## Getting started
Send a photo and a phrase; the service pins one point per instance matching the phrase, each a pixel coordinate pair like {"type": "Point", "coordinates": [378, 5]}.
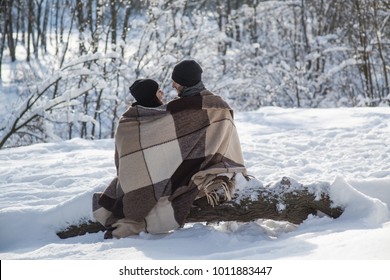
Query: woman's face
{"type": "Point", "coordinates": [160, 95]}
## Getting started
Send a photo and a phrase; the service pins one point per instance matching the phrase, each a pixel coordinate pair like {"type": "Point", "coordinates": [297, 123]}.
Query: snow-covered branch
{"type": "Point", "coordinates": [39, 101]}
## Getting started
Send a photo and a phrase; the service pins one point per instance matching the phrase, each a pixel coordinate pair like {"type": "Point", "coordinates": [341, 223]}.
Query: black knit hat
{"type": "Point", "coordinates": [144, 92]}
{"type": "Point", "coordinates": [187, 73]}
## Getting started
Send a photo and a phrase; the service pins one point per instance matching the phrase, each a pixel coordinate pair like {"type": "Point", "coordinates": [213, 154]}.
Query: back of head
{"type": "Point", "coordinates": [187, 73]}
{"type": "Point", "coordinates": [144, 91]}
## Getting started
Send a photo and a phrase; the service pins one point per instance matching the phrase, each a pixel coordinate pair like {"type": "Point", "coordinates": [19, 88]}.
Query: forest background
{"type": "Point", "coordinates": [66, 65]}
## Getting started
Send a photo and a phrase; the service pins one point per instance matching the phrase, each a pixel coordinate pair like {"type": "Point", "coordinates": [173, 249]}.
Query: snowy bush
{"type": "Point", "coordinates": [83, 56]}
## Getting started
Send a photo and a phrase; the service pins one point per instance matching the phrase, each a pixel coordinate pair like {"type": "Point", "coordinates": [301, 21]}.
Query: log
{"type": "Point", "coordinates": [286, 200]}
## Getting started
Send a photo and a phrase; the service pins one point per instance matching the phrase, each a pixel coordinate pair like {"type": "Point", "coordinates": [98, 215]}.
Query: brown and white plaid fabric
{"type": "Point", "coordinates": [166, 158]}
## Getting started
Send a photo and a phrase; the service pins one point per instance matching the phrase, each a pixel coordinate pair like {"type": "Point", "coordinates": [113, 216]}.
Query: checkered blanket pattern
{"type": "Point", "coordinates": [166, 158]}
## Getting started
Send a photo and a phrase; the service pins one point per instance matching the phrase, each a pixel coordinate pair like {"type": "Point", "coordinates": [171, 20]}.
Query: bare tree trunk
{"type": "Point", "coordinates": [22, 20]}
{"type": "Point", "coordinates": [38, 26]}
{"type": "Point", "coordinates": [114, 14]}
{"type": "Point", "coordinates": [2, 41]}
{"type": "Point", "coordinates": [81, 25]}
{"type": "Point", "coordinates": [365, 53]}
{"type": "Point", "coordinates": [62, 23]}
{"type": "Point", "coordinates": [249, 204]}
{"type": "Point", "coordinates": [381, 47]}
{"type": "Point", "coordinates": [96, 114]}
{"type": "Point", "coordinates": [9, 31]}
{"type": "Point", "coordinates": [98, 26]}
{"type": "Point", "coordinates": [125, 27]}
{"type": "Point", "coordinates": [29, 28]}
{"type": "Point", "coordinates": [56, 27]}
{"type": "Point", "coordinates": [222, 45]}
{"type": "Point", "coordinates": [83, 130]}
{"type": "Point", "coordinates": [114, 113]}
{"type": "Point", "coordinates": [44, 27]}
{"type": "Point", "coordinates": [89, 15]}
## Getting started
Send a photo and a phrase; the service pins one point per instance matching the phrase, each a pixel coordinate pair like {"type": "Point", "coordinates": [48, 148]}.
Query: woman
{"type": "Point", "coordinates": [147, 93]}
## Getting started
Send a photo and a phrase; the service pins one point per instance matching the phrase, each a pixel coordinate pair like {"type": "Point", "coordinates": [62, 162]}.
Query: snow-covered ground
{"type": "Point", "coordinates": [46, 187]}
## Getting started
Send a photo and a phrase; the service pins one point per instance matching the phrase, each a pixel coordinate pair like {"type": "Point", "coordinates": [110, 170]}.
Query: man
{"type": "Point", "coordinates": [170, 156]}
{"type": "Point", "coordinates": [198, 111]}
{"type": "Point", "coordinates": [187, 78]}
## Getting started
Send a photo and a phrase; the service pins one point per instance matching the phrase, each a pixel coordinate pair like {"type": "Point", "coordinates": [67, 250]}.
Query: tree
{"type": "Point", "coordinates": [307, 53]}
{"type": "Point", "coordinates": [286, 200]}
{"type": "Point", "coordinates": [40, 103]}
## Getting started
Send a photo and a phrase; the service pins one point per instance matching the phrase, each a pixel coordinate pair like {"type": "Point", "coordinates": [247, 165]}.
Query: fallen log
{"type": "Point", "coordinates": [286, 200]}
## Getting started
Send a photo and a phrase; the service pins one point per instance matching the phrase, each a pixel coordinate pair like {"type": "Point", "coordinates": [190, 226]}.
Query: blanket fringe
{"type": "Point", "coordinates": [219, 189]}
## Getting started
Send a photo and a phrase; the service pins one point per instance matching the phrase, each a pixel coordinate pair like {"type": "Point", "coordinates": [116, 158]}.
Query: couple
{"type": "Point", "coordinates": [167, 156]}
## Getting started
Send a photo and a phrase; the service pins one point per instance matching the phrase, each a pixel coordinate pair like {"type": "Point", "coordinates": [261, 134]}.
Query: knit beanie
{"type": "Point", "coordinates": [187, 73]}
{"type": "Point", "coordinates": [144, 92]}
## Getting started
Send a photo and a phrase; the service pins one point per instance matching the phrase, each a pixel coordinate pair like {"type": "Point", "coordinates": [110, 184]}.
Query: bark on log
{"type": "Point", "coordinates": [286, 200]}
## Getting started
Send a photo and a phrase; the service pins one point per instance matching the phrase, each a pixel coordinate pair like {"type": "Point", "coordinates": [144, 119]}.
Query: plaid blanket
{"type": "Point", "coordinates": [166, 158]}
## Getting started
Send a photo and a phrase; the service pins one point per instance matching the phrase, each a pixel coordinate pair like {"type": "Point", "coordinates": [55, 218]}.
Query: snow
{"type": "Point", "coordinates": [46, 187]}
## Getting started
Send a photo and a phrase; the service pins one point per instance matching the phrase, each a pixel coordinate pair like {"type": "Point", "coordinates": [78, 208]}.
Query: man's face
{"type": "Point", "coordinates": [179, 88]}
